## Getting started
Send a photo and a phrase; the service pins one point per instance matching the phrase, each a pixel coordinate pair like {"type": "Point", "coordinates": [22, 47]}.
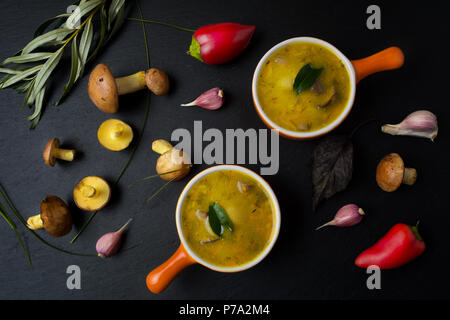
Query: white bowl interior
{"type": "Point", "coordinates": [338, 120]}
{"type": "Point", "coordinates": [275, 232]}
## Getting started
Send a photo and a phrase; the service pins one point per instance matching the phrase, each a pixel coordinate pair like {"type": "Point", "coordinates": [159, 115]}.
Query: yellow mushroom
{"type": "Point", "coordinates": [91, 193]}
{"type": "Point", "coordinates": [172, 160]}
{"type": "Point", "coordinates": [115, 134]}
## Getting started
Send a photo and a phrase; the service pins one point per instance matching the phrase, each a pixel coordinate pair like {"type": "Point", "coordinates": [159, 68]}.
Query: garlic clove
{"type": "Point", "coordinates": [109, 243]}
{"type": "Point", "coordinates": [420, 123]}
{"type": "Point", "coordinates": [211, 100]}
{"type": "Point", "coordinates": [347, 216]}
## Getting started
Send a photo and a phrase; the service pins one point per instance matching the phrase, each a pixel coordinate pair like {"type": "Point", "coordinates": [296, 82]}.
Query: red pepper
{"type": "Point", "coordinates": [219, 43]}
{"type": "Point", "coordinates": [399, 246]}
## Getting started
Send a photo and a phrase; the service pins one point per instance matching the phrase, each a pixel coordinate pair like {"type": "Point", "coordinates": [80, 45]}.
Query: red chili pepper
{"type": "Point", "coordinates": [219, 43]}
{"type": "Point", "coordinates": [399, 246]}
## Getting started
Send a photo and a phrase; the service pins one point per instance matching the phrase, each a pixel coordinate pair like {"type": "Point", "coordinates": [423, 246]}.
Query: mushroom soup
{"type": "Point", "coordinates": [248, 207]}
{"type": "Point", "coordinates": [315, 107]}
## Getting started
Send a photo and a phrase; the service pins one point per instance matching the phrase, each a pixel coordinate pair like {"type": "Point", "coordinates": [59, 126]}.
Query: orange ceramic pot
{"type": "Point", "coordinates": [162, 276]}
{"type": "Point", "coordinates": [388, 59]}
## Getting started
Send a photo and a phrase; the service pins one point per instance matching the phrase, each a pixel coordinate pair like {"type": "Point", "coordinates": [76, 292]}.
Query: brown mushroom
{"type": "Point", "coordinates": [173, 164]}
{"type": "Point", "coordinates": [391, 173]}
{"type": "Point", "coordinates": [92, 193]}
{"type": "Point", "coordinates": [53, 152]}
{"type": "Point", "coordinates": [104, 90]}
{"type": "Point", "coordinates": [55, 217]}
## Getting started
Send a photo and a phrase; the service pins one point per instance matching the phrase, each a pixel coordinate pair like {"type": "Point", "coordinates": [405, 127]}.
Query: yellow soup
{"type": "Point", "coordinates": [313, 108]}
{"type": "Point", "coordinates": [249, 209]}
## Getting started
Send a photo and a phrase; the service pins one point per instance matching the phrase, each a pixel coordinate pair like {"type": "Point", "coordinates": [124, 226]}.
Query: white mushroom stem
{"type": "Point", "coordinates": [409, 176]}
{"type": "Point", "coordinates": [63, 154]}
{"type": "Point", "coordinates": [131, 83]}
{"type": "Point", "coordinates": [87, 191]}
{"type": "Point", "coordinates": [35, 222]}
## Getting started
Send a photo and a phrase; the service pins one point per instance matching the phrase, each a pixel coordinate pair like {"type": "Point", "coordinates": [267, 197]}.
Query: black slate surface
{"type": "Point", "coordinates": [304, 264]}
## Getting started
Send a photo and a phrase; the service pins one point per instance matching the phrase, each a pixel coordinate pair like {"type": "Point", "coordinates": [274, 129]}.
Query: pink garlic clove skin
{"type": "Point", "coordinates": [349, 215]}
{"type": "Point", "coordinates": [109, 243]}
{"type": "Point", "coordinates": [420, 123]}
{"type": "Point", "coordinates": [211, 100]}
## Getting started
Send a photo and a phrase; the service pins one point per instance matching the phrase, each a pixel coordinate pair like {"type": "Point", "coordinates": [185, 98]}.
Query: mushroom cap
{"type": "Point", "coordinates": [47, 155]}
{"type": "Point", "coordinates": [56, 216]}
{"type": "Point", "coordinates": [172, 160]}
{"type": "Point", "coordinates": [390, 172]}
{"type": "Point", "coordinates": [100, 198]}
{"type": "Point", "coordinates": [102, 89]}
{"type": "Point", "coordinates": [157, 81]}
{"type": "Point", "coordinates": [106, 137]}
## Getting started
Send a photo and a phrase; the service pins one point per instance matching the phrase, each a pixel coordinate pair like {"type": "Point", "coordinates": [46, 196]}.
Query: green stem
{"type": "Point", "coordinates": [144, 124]}
{"type": "Point", "coordinates": [161, 189]}
{"type": "Point", "coordinates": [8, 220]}
{"type": "Point", "coordinates": [156, 175]}
{"type": "Point", "coordinates": [24, 223]}
{"type": "Point", "coordinates": [162, 23]}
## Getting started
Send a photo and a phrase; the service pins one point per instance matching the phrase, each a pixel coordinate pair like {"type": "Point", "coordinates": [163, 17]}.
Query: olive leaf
{"type": "Point", "coordinates": [332, 167]}
{"type": "Point", "coordinates": [57, 20]}
{"type": "Point", "coordinates": [306, 77]}
{"type": "Point", "coordinates": [218, 219]}
{"type": "Point", "coordinates": [99, 20]}
{"type": "Point", "coordinates": [29, 57]}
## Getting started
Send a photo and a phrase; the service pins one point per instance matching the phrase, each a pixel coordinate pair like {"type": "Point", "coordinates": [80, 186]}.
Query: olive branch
{"type": "Point", "coordinates": [102, 19]}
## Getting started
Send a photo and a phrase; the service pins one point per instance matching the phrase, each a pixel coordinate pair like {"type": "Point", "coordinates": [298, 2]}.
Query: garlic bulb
{"type": "Point", "coordinates": [421, 123]}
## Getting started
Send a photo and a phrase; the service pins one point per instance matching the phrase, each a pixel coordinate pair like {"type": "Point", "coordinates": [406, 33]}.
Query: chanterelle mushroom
{"type": "Point", "coordinates": [115, 134]}
{"type": "Point", "coordinates": [91, 193]}
{"type": "Point", "coordinates": [391, 173]}
{"type": "Point", "coordinates": [172, 160]}
{"type": "Point", "coordinates": [104, 90]}
{"type": "Point", "coordinates": [53, 152]}
{"type": "Point", "coordinates": [55, 217]}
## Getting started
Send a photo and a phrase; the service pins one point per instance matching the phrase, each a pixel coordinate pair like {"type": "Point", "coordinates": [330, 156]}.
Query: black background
{"type": "Point", "coordinates": [304, 264]}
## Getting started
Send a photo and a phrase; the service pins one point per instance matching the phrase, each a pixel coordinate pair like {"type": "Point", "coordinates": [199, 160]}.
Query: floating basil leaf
{"type": "Point", "coordinates": [305, 78]}
{"type": "Point", "coordinates": [218, 219]}
{"type": "Point", "coordinates": [332, 167]}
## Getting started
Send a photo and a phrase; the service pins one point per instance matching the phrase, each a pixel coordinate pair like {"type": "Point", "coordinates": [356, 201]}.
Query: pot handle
{"type": "Point", "coordinates": [162, 276]}
{"type": "Point", "coordinates": [388, 59]}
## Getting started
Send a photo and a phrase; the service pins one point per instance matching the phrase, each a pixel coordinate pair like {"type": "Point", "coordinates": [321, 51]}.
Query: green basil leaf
{"type": "Point", "coordinates": [305, 78]}
{"type": "Point", "coordinates": [214, 221]}
{"type": "Point", "coordinates": [222, 216]}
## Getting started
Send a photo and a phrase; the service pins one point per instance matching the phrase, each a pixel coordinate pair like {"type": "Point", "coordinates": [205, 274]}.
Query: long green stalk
{"type": "Point", "coordinates": [24, 223]}
{"type": "Point", "coordinates": [162, 23]}
{"type": "Point", "coordinates": [141, 132]}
